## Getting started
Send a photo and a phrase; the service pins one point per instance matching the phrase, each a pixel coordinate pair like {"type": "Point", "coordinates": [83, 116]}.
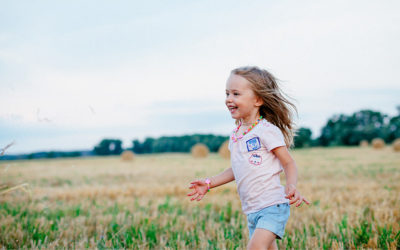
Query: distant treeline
{"type": "Point", "coordinates": [340, 130]}
{"type": "Point", "coordinates": [48, 154]}
{"type": "Point", "coordinates": [177, 143]}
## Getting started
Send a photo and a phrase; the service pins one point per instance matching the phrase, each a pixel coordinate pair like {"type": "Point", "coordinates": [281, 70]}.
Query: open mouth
{"type": "Point", "coordinates": [232, 109]}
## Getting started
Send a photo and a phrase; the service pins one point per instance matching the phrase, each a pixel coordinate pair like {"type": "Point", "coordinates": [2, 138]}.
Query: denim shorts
{"type": "Point", "coordinates": [272, 218]}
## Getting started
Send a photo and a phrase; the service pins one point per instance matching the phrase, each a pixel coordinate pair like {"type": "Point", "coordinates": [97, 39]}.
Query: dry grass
{"type": "Point", "coordinates": [103, 202]}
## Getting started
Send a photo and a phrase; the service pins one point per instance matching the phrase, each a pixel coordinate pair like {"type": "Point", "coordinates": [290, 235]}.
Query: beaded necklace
{"type": "Point", "coordinates": [235, 138]}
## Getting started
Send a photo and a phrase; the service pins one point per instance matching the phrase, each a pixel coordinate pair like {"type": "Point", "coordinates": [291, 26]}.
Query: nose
{"type": "Point", "coordinates": [228, 98]}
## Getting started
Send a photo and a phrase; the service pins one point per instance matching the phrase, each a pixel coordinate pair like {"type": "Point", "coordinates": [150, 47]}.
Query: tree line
{"type": "Point", "coordinates": [340, 130]}
{"type": "Point", "coordinates": [362, 125]}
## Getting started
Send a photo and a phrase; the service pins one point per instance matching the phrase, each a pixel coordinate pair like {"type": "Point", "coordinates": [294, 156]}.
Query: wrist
{"type": "Point", "coordinates": [208, 182]}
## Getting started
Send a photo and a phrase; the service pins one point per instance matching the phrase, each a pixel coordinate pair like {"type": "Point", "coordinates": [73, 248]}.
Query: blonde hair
{"type": "Point", "coordinates": [275, 108]}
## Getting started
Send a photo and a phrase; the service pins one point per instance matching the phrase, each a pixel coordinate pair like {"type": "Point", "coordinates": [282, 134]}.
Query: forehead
{"type": "Point", "coordinates": [236, 82]}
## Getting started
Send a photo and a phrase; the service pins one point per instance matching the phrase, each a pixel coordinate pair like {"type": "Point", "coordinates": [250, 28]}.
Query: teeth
{"type": "Point", "coordinates": [232, 108]}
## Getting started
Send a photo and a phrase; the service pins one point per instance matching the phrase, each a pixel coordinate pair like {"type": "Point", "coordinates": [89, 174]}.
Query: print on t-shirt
{"type": "Point", "coordinates": [253, 144]}
{"type": "Point", "coordinates": [255, 159]}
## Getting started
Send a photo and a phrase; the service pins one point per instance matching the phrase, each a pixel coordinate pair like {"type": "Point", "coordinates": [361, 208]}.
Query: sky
{"type": "Point", "coordinates": [75, 72]}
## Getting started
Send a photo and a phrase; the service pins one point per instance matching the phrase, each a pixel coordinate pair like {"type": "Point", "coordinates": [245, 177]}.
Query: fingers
{"type": "Point", "coordinates": [195, 185]}
{"type": "Point", "coordinates": [200, 197]}
{"type": "Point", "coordinates": [197, 193]}
{"type": "Point", "coordinates": [295, 198]}
{"type": "Point", "coordinates": [290, 194]}
{"type": "Point", "coordinates": [290, 191]}
{"type": "Point", "coordinates": [197, 182]}
{"type": "Point", "coordinates": [300, 202]}
{"type": "Point", "coordinates": [192, 193]}
{"type": "Point", "coordinates": [195, 197]}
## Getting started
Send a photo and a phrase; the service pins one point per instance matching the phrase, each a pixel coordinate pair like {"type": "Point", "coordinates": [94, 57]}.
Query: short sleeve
{"type": "Point", "coordinates": [272, 137]}
{"type": "Point", "coordinates": [230, 145]}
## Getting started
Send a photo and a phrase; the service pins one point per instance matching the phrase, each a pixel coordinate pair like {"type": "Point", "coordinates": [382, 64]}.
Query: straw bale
{"type": "Point", "coordinates": [364, 143]}
{"type": "Point", "coordinates": [224, 150]}
{"type": "Point", "coordinates": [378, 143]}
{"type": "Point", "coordinates": [127, 155]}
{"type": "Point", "coordinates": [396, 145]}
{"type": "Point", "coordinates": [200, 150]}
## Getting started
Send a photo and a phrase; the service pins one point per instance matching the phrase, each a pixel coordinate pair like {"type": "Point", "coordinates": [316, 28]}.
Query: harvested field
{"type": "Point", "coordinates": [104, 202]}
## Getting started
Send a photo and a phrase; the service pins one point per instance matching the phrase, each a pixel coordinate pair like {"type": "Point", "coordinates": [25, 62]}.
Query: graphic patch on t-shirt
{"type": "Point", "coordinates": [255, 159]}
{"type": "Point", "coordinates": [253, 144]}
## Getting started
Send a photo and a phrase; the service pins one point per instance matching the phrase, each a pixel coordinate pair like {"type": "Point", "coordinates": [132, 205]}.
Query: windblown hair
{"type": "Point", "coordinates": [275, 108]}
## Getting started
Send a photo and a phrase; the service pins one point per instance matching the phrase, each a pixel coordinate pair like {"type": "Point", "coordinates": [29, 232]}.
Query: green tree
{"type": "Point", "coordinates": [137, 147]}
{"type": "Point", "coordinates": [392, 130]}
{"type": "Point", "coordinates": [303, 138]}
{"type": "Point", "coordinates": [350, 130]}
{"type": "Point", "coordinates": [108, 147]}
{"type": "Point", "coordinates": [148, 145]}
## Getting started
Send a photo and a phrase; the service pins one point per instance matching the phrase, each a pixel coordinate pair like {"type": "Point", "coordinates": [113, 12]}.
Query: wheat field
{"type": "Point", "coordinates": [104, 202]}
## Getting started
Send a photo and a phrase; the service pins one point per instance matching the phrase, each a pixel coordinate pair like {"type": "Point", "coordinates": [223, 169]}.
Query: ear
{"type": "Point", "coordinates": [259, 101]}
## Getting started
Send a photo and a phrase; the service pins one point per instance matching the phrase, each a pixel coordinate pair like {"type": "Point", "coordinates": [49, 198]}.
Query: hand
{"type": "Point", "coordinates": [200, 189]}
{"type": "Point", "coordinates": [294, 195]}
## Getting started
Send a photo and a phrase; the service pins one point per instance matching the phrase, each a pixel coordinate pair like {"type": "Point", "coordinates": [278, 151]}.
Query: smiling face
{"type": "Point", "coordinates": [241, 100]}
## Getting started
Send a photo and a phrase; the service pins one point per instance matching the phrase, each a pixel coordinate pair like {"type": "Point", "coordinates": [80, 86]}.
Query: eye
{"type": "Point", "coordinates": [236, 94]}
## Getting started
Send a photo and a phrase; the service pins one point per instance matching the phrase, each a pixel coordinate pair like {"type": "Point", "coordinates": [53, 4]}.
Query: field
{"type": "Point", "coordinates": [103, 202]}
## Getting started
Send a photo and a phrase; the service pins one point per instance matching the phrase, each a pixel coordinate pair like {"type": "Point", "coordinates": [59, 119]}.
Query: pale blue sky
{"type": "Point", "coordinates": [74, 72]}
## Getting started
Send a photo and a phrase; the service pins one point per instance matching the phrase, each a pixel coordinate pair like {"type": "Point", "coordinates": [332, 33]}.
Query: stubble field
{"type": "Point", "coordinates": [103, 202]}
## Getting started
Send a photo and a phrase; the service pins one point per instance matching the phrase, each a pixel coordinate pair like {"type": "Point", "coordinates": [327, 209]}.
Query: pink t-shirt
{"type": "Point", "coordinates": [256, 168]}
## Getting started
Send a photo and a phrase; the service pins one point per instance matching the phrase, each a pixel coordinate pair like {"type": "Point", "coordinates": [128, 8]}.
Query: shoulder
{"type": "Point", "coordinates": [271, 136]}
{"type": "Point", "coordinates": [266, 126]}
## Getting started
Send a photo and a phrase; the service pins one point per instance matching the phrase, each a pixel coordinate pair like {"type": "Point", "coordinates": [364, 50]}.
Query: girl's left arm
{"type": "Point", "coordinates": [290, 168]}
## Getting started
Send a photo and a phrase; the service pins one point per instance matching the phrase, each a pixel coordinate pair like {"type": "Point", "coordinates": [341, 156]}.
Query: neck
{"type": "Point", "coordinates": [249, 121]}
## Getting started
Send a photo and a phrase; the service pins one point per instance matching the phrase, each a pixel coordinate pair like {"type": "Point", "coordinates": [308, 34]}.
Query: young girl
{"type": "Point", "coordinates": [259, 152]}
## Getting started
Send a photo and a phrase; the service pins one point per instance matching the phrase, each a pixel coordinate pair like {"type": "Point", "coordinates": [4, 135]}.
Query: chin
{"type": "Point", "coordinates": [235, 117]}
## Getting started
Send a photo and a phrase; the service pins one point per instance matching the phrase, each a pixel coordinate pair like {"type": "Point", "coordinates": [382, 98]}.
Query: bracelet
{"type": "Point", "coordinates": [208, 184]}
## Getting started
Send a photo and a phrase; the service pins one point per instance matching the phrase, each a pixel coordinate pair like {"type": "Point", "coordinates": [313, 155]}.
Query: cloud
{"type": "Point", "coordinates": [146, 65]}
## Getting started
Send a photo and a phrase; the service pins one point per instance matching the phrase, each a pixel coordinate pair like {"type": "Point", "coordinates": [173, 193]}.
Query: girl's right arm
{"type": "Point", "coordinates": [200, 186]}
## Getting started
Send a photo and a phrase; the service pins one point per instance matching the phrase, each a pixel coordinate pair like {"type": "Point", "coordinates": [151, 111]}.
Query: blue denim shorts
{"type": "Point", "coordinates": [272, 218]}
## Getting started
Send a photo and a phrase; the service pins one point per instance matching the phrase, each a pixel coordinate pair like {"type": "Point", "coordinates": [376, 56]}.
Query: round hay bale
{"type": "Point", "coordinates": [396, 145]}
{"type": "Point", "coordinates": [364, 143]}
{"type": "Point", "coordinates": [378, 143]}
{"type": "Point", "coordinates": [127, 155]}
{"type": "Point", "coordinates": [223, 150]}
{"type": "Point", "coordinates": [200, 150]}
